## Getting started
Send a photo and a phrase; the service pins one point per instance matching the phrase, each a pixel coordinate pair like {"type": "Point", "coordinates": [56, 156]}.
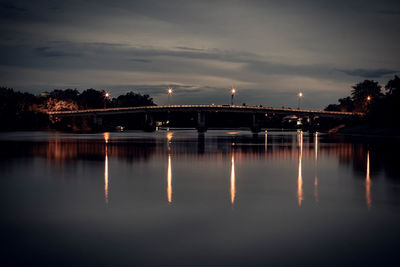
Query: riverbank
{"type": "Point", "coordinates": [368, 131]}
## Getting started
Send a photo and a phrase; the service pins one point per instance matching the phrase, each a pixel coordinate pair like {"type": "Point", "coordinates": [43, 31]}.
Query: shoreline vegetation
{"type": "Point", "coordinates": [382, 109]}
{"type": "Point", "coordinates": [25, 111]}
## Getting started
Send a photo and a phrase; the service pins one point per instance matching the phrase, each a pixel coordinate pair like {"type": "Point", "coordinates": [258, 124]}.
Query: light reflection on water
{"type": "Point", "coordinates": [340, 186]}
{"type": "Point", "coordinates": [300, 196]}
{"type": "Point", "coordinates": [169, 180]}
{"type": "Point", "coordinates": [233, 180]}
{"type": "Point", "coordinates": [368, 184]}
{"type": "Point", "coordinates": [316, 198]}
{"type": "Point", "coordinates": [106, 182]}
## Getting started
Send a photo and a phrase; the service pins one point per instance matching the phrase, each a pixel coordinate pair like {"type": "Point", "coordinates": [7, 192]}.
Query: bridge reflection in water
{"type": "Point", "coordinates": [58, 151]}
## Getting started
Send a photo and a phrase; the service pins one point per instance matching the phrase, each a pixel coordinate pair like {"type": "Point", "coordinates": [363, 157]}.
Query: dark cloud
{"type": "Point", "coordinates": [372, 73]}
{"type": "Point", "coordinates": [46, 51]}
{"type": "Point", "coordinates": [266, 48]}
{"type": "Point", "coordinates": [11, 6]}
{"type": "Point", "coordinates": [141, 60]}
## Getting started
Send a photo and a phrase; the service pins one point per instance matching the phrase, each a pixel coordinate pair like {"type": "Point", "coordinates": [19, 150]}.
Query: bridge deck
{"type": "Point", "coordinates": [204, 108]}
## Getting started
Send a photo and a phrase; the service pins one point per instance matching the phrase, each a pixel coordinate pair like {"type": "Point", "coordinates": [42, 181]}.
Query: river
{"type": "Point", "coordinates": [177, 198]}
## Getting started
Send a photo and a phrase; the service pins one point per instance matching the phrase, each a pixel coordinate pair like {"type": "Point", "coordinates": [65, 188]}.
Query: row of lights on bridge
{"type": "Point", "coordinates": [233, 92]}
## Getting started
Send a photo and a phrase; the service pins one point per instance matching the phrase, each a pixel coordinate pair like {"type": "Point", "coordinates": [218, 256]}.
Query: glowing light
{"type": "Point", "coordinates": [169, 180]}
{"type": "Point", "coordinates": [106, 137]}
{"type": "Point", "coordinates": [107, 94]}
{"type": "Point", "coordinates": [233, 91]}
{"type": "Point", "coordinates": [300, 178]}
{"type": "Point", "coordinates": [266, 140]}
{"type": "Point", "coordinates": [369, 98]}
{"type": "Point", "coordinates": [169, 136]}
{"type": "Point", "coordinates": [106, 178]}
{"type": "Point", "coordinates": [316, 197]}
{"type": "Point", "coordinates": [316, 147]}
{"type": "Point", "coordinates": [300, 94]}
{"type": "Point", "coordinates": [233, 181]}
{"type": "Point", "coordinates": [169, 90]}
{"type": "Point", "coordinates": [368, 185]}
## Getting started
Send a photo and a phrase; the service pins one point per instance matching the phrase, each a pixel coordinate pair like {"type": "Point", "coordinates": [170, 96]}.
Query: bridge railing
{"type": "Point", "coordinates": [220, 107]}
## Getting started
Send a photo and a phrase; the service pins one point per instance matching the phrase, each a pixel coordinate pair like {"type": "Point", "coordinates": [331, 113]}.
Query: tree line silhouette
{"type": "Point", "coordinates": [382, 109]}
{"type": "Point", "coordinates": [25, 111]}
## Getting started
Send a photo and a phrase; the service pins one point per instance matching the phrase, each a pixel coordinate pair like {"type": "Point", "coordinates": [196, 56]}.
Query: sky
{"type": "Point", "coordinates": [268, 50]}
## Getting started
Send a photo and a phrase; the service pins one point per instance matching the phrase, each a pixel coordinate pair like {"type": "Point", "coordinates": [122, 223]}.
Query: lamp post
{"type": "Point", "coordinates": [233, 92]}
{"type": "Point", "coordinates": [106, 97]}
{"type": "Point", "coordinates": [169, 91]}
{"type": "Point", "coordinates": [300, 95]}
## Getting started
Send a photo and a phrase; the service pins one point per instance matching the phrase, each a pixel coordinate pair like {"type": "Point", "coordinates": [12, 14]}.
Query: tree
{"type": "Point", "coordinates": [53, 104]}
{"type": "Point", "coordinates": [67, 94]}
{"type": "Point", "coordinates": [393, 86]}
{"type": "Point", "coordinates": [333, 107]}
{"type": "Point", "coordinates": [345, 105]}
{"type": "Point", "coordinates": [92, 98]}
{"type": "Point", "coordinates": [20, 111]}
{"type": "Point", "coordinates": [132, 99]}
{"type": "Point", "coordinates": [365, 93]}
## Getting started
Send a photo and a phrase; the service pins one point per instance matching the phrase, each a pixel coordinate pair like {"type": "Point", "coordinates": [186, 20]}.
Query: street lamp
{"type": "Point", "coordinates": [300, 95]}
{"type": "Point", "coordinates": [233, 92]}
{"type": "Point", "coordinates": [106, 97]}
{"type": "Point", "coordinates": [369, 98]}
{"type": "Point", "coordinates": [169, 91]}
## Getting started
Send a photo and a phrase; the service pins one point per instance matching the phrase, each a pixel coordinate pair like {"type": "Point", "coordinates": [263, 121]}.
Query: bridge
{"type": "Point", "coordinates": [201, 110]}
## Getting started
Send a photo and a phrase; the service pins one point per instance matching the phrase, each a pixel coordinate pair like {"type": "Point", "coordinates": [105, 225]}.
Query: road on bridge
{"type": "Point", "coordinates": [205, 108]}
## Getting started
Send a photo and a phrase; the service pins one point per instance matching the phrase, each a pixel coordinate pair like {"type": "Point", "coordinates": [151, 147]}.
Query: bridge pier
{"type": "Point", "coordinates": [98, 121]}
{"type": "Point", "coordinates": [201, 122]}
{"type": "Point", "coordinates": [313, 124]}
{"type": "Point", "coordinates": [255, 125]}
{"type": "Point", "coordinates": [149, 124]}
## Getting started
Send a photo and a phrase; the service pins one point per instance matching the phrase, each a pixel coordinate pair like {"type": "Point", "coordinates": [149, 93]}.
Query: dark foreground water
{"type": "Point", "coordinates": [180, 199]}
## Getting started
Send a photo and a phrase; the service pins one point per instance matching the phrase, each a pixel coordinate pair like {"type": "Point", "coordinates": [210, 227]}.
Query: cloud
{"type": "Point", "coordinates": [370, 73]}
{"type": "Point", "coordinates": [266, 48]}
{"type": "Point", "coordinates": [46, 51]}
{"type": "Point", "coordinates": [11, 6]}
{"type": "Point", "coordinates": [141, 60]}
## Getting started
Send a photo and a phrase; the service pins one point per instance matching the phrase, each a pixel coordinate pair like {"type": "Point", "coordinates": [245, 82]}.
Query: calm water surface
{"type": "Point", "coordinates": [226, 198]}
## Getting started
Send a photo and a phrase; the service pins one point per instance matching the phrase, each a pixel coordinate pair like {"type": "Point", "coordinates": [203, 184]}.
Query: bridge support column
{"type": "Point", "coordinates": [201, 122]}
{"type": "Point", "coordinates": [313, 124]}
{"type": "Point", "coordinates": [149, 124]}
{"type": "Point", "coordinates": [255, 125]}
{"type": "Point", "coordinates": [98, 121]}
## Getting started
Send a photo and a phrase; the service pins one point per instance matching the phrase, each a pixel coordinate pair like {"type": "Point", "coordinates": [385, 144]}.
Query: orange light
{"type": "Point", "coordinates": [368, 98]}
{"type": "Point", "coordinates": [300, 94]}
{"type": "Point", "coordinates": [169, 90]}
{"type": "Point", "coordinates": [107, 95]}
{"type": "Point", "coordinates": [368, 184]}
{"type": "Point", "coordinates": [106, 178]}
{"type": "Point", "coordinates": [300, 197]}
{"type": "Point", "coordinates": [233, 91]}
{"type": "Point", "coordinates": [169, 180]}
{"type": "Point", "coordinates": [233, 181]}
